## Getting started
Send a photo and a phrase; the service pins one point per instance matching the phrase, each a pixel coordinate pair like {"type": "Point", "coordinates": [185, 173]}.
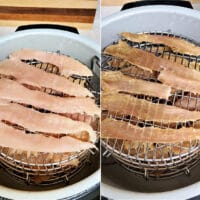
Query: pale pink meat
{"type": "Point", "coordinates": [35, 121]}
{"type": "Point", "coordinates": [30, 75]}
{"type": "Point", "coordinates": [67, 65]}
{"type": "Point", "coordinates": [16, 139]}
{"type": "Point", "coordinates": [13, 91]}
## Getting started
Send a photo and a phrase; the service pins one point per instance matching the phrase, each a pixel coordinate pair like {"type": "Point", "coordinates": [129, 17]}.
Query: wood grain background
{"type": "Point", "coordinates": [90, 4]}
{"type": "Point", "coordinates": [79, 13]}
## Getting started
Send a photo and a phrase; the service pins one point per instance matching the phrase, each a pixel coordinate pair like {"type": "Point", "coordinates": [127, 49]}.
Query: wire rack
{"type": "Point", "coordinates": [38, 168]}
{"type": "Point", "coordinates": [44, 172]}
{"type": "Point", "coordinates": [153, 160]}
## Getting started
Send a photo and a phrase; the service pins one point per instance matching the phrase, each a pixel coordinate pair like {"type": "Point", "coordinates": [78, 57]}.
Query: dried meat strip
{"type": "Point", "coordinates": [185, 80]}
{"type": "Point", "coordinates": [111, 128]}
{"type": "Point", "coordinates": [171, 73]}
{"type": "Point", "coordinates": [115, 81]}
{"type": "Point", "coordinates": [143, 59]}
{"type": "Point", "coordinates": [174, 43]}
{"type": "Point", "coordinates": [128, 105]}
{"type": "Point", "coordinates": [138, 57]}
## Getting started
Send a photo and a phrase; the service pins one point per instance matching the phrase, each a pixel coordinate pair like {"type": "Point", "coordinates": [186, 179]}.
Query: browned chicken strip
{"type": "Point", "coordinates": [143, 59]}
{"type": "Point", "coordinates": [140, 58]}
{"type": "Point", "coordinates": [185, 80]}
{"type": "Point", "coordinates": [176, 44]}
{"type": "Point", "coordinates": [145, 110]}
{"type": "Point", "coordinates": [111, 128]}
{"type": "Point", "coordinates": [117, 82]}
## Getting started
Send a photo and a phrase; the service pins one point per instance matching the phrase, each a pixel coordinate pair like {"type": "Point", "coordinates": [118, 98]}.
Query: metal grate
{"type": "Point", "coordinates": [153, 160]}
{"type": "Point", "coordinates": [50, 168]}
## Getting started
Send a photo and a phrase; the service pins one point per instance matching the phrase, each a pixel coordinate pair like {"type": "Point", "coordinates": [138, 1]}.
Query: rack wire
{"type": "Point", "coordinates": [37, 168]}
{"type": "Point", "coordinates": [153, 160]}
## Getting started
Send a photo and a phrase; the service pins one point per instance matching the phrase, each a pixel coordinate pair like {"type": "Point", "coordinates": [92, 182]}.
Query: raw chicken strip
{"type": "Point", "coordinates": [16, 139]}
{"type": "Point", "coordinates": [30, 75]}
{"type": "Point", "coordinates": [13, 91]}
{"type": "Point", "coordinates": [67, 65]}
{"type": "Point", "coordinates": [42, 122]}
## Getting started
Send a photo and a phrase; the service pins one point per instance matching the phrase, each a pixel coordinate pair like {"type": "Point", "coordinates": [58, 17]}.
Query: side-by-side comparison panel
{"type": "Point", "coordinates": [99, 100]}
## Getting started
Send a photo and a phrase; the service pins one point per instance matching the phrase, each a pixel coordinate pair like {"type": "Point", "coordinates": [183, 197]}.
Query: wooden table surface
{"type": "Point", "coordinates": [88, 4]}
{"type": "Point", "coordinates": [78, 13]}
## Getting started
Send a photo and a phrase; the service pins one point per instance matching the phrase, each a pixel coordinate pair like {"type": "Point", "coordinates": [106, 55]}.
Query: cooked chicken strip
{"type": "Point", "coordinates": [16, 139]}
{"type": "Point", "coordinates": [186, 73]}
{"type": "Point", "coordinates": [183, 61]}
{"type": "Point", "coordinates": [115, 81]}
{"type": "Point", "coordinates": [172, 74]}
{"type": "Point", "coordinates": [42, 122]}
{"type": "Point", "coordinates": [139, 73]}
{"type": "Point", "coordinates": [140, 58]}
{"type": "Point", "coordinates": [132, 70]}
{"type": "Point", "coordinates": [111, 128]}
{"type": "Point", "coordinates": [189, 102]}
{"type": "Point", "coordinates": [13, 91]}
{"type": "Point", "coordinates": [30, 75]}
{"type": "Point", "coordinates": [176, 44]}
{"type": "Point", "coordinates": [181, 81]}
{"type": "Point", "coordinates": [118, 63]}
{"type": "Point", "coordinates": [145, 110]}
{"type": "Point", "coordinates": [67, 65]}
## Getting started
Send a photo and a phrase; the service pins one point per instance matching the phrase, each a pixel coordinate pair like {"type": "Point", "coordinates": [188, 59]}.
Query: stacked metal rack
{"type": "Point", "coordinates": [51, 168]}
{"type": "Point", "coordinates": [153, 161]}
